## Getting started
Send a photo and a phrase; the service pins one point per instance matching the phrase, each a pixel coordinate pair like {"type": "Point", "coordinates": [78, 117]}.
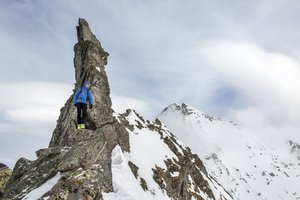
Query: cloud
{"type": "Point", "coordinates": [16, 145]}
{"type": "Point", "coordinates": [122, 103]}
{"type": "Point", "coordinates": [267, 81]}
{"type": "Point", "coordinates": [31, 107]}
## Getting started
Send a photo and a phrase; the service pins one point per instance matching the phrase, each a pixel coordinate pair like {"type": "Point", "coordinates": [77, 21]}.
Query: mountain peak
{"type": "Point", "coordinates": [186, 110]}
{"type": "Point", "coordinates": [84, 32]}
{"type": "Point", "coordinates": [239, 159]}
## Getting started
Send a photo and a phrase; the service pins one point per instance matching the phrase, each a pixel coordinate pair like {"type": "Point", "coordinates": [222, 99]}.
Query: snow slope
{"type": "Point", "coordinates": [40, 191]}
{"type": "Point", "coordinates": [246, 165]}
{"type": "Point", "coordinates": [150, 151]}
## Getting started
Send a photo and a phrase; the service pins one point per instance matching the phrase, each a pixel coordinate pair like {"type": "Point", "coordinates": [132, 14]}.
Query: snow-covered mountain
{"type": "Point", "coordinates": [244, 163]}
{"type": "Point", "coordinates": [158, 166]}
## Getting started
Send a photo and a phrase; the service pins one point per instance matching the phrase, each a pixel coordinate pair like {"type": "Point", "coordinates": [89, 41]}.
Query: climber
{"type": "Point", "coordinates": [82, 95]}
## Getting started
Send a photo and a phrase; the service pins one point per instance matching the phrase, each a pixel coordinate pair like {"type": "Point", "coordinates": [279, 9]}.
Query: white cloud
{"type": "Point", "coordinates": [31, 107]}
{"type": "Point", "coordinates": [268, 81]}
{"type": "Point", "coordinates": [28, 114]}
{"type": "Point", "coordinates": [121, 103]}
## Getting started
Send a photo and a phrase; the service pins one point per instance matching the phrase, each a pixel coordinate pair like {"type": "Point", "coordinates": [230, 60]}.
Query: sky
{"type": "Point", "coordinates": [239, 60]}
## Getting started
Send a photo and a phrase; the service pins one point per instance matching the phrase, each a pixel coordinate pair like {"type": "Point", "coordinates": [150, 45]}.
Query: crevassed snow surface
{"type": "Point", "coordinates": [245, 164]}
{"type": "Point", "coordinates": [38, 192]}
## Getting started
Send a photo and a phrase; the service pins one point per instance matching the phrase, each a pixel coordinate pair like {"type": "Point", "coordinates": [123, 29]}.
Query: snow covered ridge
{"type": "Point", "coordinates": [238, 159]}
{"type": "Point", "coordinates": [159, 166]}
{"type": "Point", "coordinates": [188, 110]}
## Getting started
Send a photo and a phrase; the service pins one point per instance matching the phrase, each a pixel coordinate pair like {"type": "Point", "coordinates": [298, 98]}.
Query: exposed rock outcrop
{"type": "Point", "coordinates": [5, 174]}
{"type": "Point", "coordinates": [82, 157]}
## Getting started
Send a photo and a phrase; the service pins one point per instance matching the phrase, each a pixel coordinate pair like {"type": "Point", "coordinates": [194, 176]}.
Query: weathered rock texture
{"type": "Point", "coordinates": [89, 62]}
{"type": "Point", "coordinates": [83, 157]}
{"type": "Point", "coordinates": [5, 174]}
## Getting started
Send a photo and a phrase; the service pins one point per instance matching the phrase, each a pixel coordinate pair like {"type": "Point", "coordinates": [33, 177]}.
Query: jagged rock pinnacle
{"type": "Point", "coordinates": [89, 62]}
{"type": "Point", "coordinates": [80, 159]}
{"type": "Point", "coordinates": [84, 32]}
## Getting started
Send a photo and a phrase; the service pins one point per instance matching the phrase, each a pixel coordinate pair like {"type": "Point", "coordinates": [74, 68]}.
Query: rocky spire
{"type": "Point", "coordinates": [84, 32]}
{"type": "Point", "coordinates": [89, 62]}
{"type": "Point", "coordinates": [81, 158]}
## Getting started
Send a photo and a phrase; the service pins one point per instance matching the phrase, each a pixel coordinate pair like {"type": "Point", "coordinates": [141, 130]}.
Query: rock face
{"type": "Point", "coordinates": [86, 164]}
{"type": "Point", "coordinates": [89, 62]}
{"type": "Point", "coordinates": [82, 157]}
{"type": "Point", "coordinates": [5, 174]}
